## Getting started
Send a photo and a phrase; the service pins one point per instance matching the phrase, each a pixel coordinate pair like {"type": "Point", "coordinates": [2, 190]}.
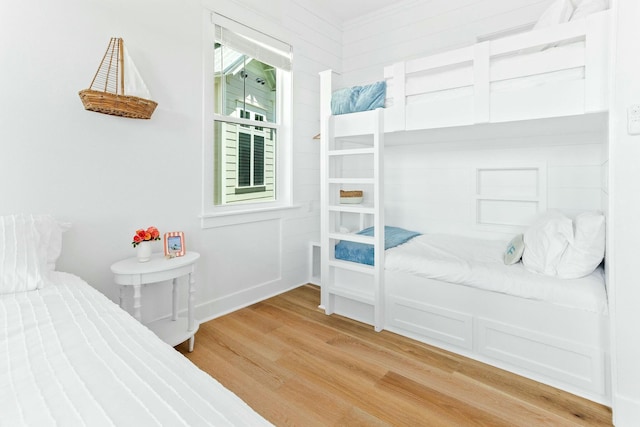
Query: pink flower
{"type": "Point", "coordinates": [155, 234]}
{"type": "Point", "coordinates": [142, 235]}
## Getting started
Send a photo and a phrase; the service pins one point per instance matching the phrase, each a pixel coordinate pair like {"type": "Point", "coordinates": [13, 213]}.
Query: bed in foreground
{"type": "Point", "coordinates": [70, 356]}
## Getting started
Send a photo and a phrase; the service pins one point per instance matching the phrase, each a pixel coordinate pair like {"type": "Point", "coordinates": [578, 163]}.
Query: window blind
{"type": "Point", "coordinates": [252, 42]}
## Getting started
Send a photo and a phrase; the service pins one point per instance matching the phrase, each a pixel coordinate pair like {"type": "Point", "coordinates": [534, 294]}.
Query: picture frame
{"type": "Point", "coordinates": [174, 244]}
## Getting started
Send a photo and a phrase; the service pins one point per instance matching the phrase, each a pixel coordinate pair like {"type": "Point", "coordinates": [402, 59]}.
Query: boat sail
{"type": "Point", "coordinates": [117, 87]}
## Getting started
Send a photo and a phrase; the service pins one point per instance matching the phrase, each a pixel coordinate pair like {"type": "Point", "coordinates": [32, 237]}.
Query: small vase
{"type": "Point", "coordinates": [143, 251]}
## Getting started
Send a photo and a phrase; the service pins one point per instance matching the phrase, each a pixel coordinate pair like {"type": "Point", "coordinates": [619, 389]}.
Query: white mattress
{"type": "Point", "coordinates": [71, 357]}
{"type": "Point", "coordinates": [478, 263]}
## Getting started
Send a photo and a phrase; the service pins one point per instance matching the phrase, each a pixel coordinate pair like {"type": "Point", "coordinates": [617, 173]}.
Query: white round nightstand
{"type": "Point", "coordinates": [129, 272]}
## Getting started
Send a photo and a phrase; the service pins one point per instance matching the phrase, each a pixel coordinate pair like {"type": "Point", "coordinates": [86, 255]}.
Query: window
{"type": "Point", "coordinates": [251, 106]}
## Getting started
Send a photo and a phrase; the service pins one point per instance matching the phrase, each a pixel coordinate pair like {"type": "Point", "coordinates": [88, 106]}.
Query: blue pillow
{"type": "Point", "coordinates": [363, 252]}
{"type": "Point", "coordinates": [343, 101]}
{"type": "Point", "coordinates": [371, 97]}
{"type": "Point", "coordinates": [358, 98]}
{"type": "Point", "coordinates": [393, 236]}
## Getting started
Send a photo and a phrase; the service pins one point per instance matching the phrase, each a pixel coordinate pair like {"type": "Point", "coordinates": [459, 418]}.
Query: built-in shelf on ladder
{"type": "Point", "coordinates": [352, 162]}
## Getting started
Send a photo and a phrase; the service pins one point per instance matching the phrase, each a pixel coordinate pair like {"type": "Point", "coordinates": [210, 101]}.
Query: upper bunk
{"type": "Point", "coordinates": [540, 77]}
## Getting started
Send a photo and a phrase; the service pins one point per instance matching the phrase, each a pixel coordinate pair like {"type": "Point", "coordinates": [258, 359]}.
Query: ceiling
{"type": "Point", "coordinates": [349, 9]}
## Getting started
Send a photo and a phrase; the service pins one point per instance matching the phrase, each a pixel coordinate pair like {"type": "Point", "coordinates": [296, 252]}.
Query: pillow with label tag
{"type": "Point", "coordinates": [558, 12]}
{"type": "Point", "coordinates": [546, 241]}
{"type": "Point", "coordinates": [586, 249]}
{"type": "Point", "coordinates": [587, 7]}
{"type": "Point", "coordinates": [514, 250]}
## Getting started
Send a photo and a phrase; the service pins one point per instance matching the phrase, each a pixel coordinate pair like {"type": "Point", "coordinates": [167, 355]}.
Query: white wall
{"type": "Point", "coordinates": [415, 28]}
{"type": "Point", "coordinates": [623, 227]}
{"type": "Point", "coordinates": [432, 189]}
{"type": "Point", "coordinates": [107, 175]}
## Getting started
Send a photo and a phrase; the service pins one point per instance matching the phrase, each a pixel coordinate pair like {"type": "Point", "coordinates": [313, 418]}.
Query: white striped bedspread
{"type": "Point", "coordinates": [71, 357]}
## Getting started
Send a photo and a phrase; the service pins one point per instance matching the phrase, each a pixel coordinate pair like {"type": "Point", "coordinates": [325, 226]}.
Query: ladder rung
{"type": "Point", "coordinates": [354, 295]}
{"type": "Point", "coordinates": [352, 266]}
{"type": "Point", "coordinates": [352, 209]}
{"type": "Point", "coordinates": [351, 152]}
{"type": "Point", "coordinates": [351, 237]}
{"type": "Point", "coordinates": [351, 181]}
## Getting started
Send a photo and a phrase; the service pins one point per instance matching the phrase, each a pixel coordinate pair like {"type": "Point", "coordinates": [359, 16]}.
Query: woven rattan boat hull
{"type": "Point", "coordinates": [117, 105]}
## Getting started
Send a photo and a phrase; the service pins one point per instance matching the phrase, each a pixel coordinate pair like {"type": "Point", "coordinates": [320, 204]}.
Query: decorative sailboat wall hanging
{"type": "Point", "coordinates": [117, 87]}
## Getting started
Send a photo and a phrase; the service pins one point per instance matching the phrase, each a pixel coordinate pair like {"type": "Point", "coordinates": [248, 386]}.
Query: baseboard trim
{"type": "Point", "coordinates": [626, 411]}
{"type": "Point", "coordinates": [229, 303]}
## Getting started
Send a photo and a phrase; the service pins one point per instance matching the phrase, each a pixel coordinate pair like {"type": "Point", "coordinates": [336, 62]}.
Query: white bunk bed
{"type": "Point", "coordinates": [551, 78]}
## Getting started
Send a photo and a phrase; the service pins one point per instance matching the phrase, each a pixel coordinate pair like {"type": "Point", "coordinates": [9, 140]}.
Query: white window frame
{"type": "Point", "coordinates": [212, 215]}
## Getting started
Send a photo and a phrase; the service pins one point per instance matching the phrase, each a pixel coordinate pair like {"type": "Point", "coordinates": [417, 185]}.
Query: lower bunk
{"type": "Point", "coordinates": [559, 346]}
{"type": "Point", "coordinates": [551, 330]}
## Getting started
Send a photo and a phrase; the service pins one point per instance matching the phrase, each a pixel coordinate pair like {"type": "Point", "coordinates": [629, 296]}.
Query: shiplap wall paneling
{"type": "Point", "coordinates": [317, 47]}
{"type": "Point", "coordinates": [240, 263]}
{"type": "Point", "coordinates": [508, 198]}
{"type": "Point", "coordinates": [411, 29]}
{"type": "Point", "coordinates": [432, 188]}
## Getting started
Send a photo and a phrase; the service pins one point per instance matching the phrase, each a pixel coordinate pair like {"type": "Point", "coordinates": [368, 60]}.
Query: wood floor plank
{"type": "Point", "coordinates": [444, 406]}
{"type": "Point", "coordinates": [328, 406]}
{"type": "Point", "coordinates": [436, 380]}
{"type": "Point", "coordinates": [297, 366]}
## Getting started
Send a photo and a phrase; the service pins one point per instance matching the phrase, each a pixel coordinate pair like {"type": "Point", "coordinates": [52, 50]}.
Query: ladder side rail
{"type": "Point", "coordinates": [378, 174]}
{"type": "Point", "coordinates": [327, 218]}
{"type": "Point", "coordinates": [326, 88]}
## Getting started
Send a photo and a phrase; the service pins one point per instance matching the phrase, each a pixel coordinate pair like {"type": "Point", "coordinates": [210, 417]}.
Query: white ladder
{"type": "Point", "coordinates": [361, 285]}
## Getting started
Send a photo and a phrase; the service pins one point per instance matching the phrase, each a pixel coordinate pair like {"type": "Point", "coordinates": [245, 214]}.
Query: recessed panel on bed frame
{"type": "Point", "coordinates": [560, 346]}
{"type": "Point", "coordinates": [561, 359]}
{"type": "Point", "coordinates": [508, 198]}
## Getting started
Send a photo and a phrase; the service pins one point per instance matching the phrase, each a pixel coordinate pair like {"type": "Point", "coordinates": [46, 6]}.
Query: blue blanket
{"type": "Point", "coordinates": [358, 98]}
{"type": "Point", "coordinates": [364, 253]}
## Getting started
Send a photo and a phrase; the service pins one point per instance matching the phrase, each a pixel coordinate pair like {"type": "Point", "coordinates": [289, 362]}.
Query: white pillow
{"type": "Point", "coordinates": [587, 7]}
{"type": "Point", "coordinates": [515, 249]}
{"type": "Point", "coordinates": [586, 249]}
{"type": "Point", "coordinates": [546, 241]}
{"type": "Point", "coordinates": [50, 232]}
{"type": "Point", "coordinates": [557, 13]}
{"type": "Point", "coordinates": [21, 263]}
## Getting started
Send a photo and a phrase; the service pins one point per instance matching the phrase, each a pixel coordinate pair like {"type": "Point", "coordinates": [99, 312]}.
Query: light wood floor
{"type": "Point", "coordinates": [297, 366]}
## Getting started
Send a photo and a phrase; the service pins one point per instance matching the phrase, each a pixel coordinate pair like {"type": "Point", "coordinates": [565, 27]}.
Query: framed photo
{"type": "Point", "coordinates": [174, 244]}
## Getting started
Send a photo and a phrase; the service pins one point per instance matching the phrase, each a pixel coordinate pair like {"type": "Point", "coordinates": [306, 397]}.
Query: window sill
{"type": "Point", "coordinates": [243, 216]}
{"type": "Point", "coordinates": [247, 190]}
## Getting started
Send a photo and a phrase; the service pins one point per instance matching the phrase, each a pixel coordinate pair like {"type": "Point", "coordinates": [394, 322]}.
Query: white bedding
{"type": "Point", "coordinates": [71, 357]}
{"type": "Point", "coordinates": [479, 263]}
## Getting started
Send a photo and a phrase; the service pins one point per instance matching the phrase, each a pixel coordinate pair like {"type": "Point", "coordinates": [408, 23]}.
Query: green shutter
{"type": "Point", "coordinates": [244, 159]}
{"type": "Point", "coordinates": [258, 160]}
